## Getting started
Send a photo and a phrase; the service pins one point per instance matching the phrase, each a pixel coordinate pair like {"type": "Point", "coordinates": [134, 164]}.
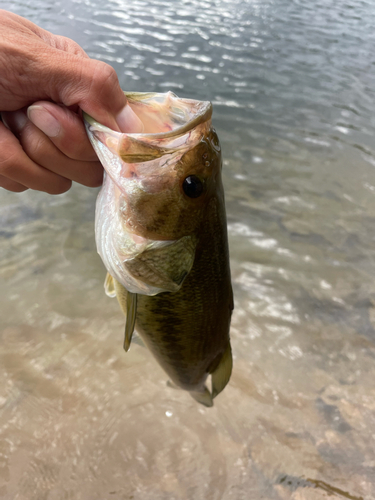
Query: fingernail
{"type": "Point", "coordinates": [128, 121]}
{"type": "Point", "coordinates": [18, 120]}
{"type": "Point", "coordinates": [44, 120]}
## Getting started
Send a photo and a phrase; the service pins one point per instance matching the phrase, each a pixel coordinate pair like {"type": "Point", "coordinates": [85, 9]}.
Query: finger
{"type": "Point", "coordinates": [94, 86]}
{"type": "Point", "coordinates": [55, 69]}
{"type": "Point", "coordinates": [57, 41]}
{"type": "Point", "coordinates": [16, 166]}
{"type": "Point", "coordinates": [11, 185]}
{"type": "Point", "coordinates": [39, 148]}
{"type": "Point", "coordinates": [63, 43]}
{"type": "Point", "coordinates": [64, 128]}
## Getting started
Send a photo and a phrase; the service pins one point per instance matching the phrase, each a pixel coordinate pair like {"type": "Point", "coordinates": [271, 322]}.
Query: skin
{"type": "Point", "coordinates": [45, 80]}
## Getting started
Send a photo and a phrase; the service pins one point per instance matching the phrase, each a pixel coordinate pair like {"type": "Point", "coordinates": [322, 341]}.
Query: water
{"type": "Point", "coordinates": [292, 84]}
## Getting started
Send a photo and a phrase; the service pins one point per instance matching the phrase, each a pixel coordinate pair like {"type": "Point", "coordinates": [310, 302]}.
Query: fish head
{"type": "Point", "coordinates": [167, 198]}
{"type": "Point", "coordinates": [157, 190]}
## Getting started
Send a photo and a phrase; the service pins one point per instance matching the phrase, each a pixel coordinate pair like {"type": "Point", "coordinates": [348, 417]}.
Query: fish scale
{"type": "Point", "coordinates": [162, 235]}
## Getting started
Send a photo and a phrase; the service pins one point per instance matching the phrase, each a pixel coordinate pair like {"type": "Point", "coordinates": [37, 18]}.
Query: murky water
{"type": "Point", "coordinates": [292, 84]}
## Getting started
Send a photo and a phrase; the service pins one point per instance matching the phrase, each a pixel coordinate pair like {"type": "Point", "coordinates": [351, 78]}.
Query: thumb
{"type": "Point", "coordinates": [93, 86]}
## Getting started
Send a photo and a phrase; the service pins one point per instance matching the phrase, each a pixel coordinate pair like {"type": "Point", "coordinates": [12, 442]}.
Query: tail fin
{"type": "Point", "coordinates": [204, 398]}
{"type": "Point", "coordinates": [219, 378]}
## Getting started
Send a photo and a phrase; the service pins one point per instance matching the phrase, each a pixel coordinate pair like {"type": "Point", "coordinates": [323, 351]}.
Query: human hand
{"type": "Point", "coordinates": [44, 80]}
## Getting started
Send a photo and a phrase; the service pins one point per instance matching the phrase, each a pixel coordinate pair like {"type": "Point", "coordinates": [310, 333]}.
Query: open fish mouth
{"type": "Point", "coordinates": [171, 127]}
{"type": "Point", "coordinates": [140, 183]}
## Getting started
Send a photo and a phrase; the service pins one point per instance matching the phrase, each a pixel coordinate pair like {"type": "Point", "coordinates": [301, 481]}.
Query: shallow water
{"type": "Point", "coordinates": [292, 84]}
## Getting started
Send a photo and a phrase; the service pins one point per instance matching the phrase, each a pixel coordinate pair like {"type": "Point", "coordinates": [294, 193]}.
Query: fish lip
{"type": "Point", "coordinates": [203, 114]}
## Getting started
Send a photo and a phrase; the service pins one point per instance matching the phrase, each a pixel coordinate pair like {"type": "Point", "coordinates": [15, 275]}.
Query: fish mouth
{"type": "Point", "coordinates": [163, 116]}
{"type": "Point", "coordinates": [171, 125]}
{"type": "Point", "coordinates": [172, 116]}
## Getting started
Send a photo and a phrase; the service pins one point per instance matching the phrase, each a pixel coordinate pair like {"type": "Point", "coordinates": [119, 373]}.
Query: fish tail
{"type": "Point", "coordinates": [204, 397]}
{"type": "Point", "coordinates": [219, 378]}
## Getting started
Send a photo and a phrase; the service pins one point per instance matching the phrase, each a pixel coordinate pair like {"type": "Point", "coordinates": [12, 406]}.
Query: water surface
{"type": "Point", "coordinates": [292, 84]}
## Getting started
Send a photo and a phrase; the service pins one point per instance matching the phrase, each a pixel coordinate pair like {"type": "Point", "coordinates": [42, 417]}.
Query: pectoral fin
{"type": "Point", "coordinates": [109, 286]}
{"type": "Point", "coordinates": [128, 304]}
{"type": "Point", "coordinates": [221, 375]}
{"type": "Point", "coordinates": [165, 267]}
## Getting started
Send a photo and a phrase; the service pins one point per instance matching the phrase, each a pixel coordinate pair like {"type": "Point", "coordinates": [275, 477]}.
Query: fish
{"type": "Point", "coordinates": [161, 232]}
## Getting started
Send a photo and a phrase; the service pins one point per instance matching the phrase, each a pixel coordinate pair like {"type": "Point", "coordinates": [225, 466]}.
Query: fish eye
{"type": "Point", "coordinates": [192, 186]}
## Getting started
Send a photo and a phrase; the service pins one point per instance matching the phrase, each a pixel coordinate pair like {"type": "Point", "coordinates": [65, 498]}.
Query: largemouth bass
{"type": "Point", "coordinates": [161, 233]}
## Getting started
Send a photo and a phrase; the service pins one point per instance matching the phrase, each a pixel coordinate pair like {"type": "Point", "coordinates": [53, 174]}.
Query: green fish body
{"type": "Point", "coordinates": [162, 235]}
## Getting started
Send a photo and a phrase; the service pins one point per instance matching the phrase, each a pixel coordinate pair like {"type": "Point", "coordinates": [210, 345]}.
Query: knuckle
{"type": "Point", "coordinates": [104, 77]}
{"type": "Point", "coordinates": [64, 43]}
{"type": "Point", "coordinates": [33, 145]}
{"type": "Point", "coordinates": [106, 73]}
